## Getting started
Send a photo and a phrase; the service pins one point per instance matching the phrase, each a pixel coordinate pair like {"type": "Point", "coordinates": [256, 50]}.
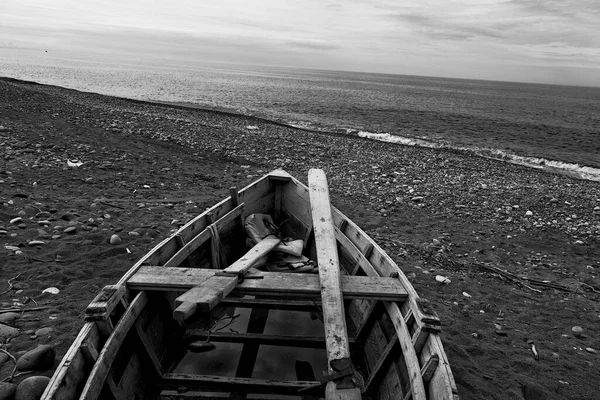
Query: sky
{"type": "Point", "coordinates": [545, 41]}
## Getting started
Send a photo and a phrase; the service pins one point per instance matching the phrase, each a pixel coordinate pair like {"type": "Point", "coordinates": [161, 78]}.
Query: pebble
{"type": "Point", "coordinates": [55, 237]}
{"type": "Point", "coordinates": [115, 239]}
{"type": "Point", "coordinates": [32, 388]}
{"type": "Point", "coordinates": [67, 217]}
{"type": "Point", "coordinates": [591, 350]}
{"type": "Point", "coordinates": [533, 391]}
{"type": "Point", "coordinates": [577, 331]}
{"type": "Point", "coordinates": [36, 243]}
{"type": "Point", "coordinates": [134, 233]}
{"type": "Point", "coordinates": [417, 199]}
{"type": "Point", "coordinates": [16, 220]}
{"type": "Point", "coordinates": [44, 331]}
{"type": "Point", "coordinates": [528, 214]}
{"type": "Point", "coordinates": [7, 390]}
{"type": "Point", "coordinates": [8, 331]}
{"type": "Point", "coordinates": [42, 357]}
{"type": "Point", "coordinates": [70, 229]}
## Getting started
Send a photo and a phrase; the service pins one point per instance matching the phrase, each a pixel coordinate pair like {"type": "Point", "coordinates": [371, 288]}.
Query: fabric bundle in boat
{"type": "Point", "coordinates": [259, 226]}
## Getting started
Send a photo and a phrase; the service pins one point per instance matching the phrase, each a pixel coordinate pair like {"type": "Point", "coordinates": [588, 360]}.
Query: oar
{"type": "Point", "coordinates": [336, 334]}
{"type": "Point", "coordinates": [205, 296]}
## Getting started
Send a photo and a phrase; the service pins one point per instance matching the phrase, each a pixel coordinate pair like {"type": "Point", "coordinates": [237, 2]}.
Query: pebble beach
{"type": "Point", "coordinates": [90, 183]}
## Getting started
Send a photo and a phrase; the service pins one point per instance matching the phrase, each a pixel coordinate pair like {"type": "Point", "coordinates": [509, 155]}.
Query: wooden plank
{"type": "Point", "coordinates": [272, 304]}
{"type": "Point", "coordinates": [369, 315]}
{"type": "Point", "coordinates": [69, 376]}
{"type": "Point", "coordinates": [230, 384]}
{"type": "Point", "coordinates": [208, 294]}
{"type": "Point", "coordinates": [203, 236]}
{"type": "Point", "coordinates": [427, 372]}
{"type": "Point", "coordinates": [311, 342]}
{"type": "Point", "coordinates": [408, 351]}
{"type": "Point", "coordinates": [442, 384]}
{"type": "Point", "coordinates": [257, 195]}
{"type": "Point", "coordinates": [277, 205]}
{"type": "Point", "coordinates": [150, 351]}
{"type": "Point", "coordinates": [153, 278]}
{"type": "Point", "coordinates": [279, 175]}
{"type": "Point", "coordinates": [256, 326]}
{"type": "Point", "coordinates": [429, 368]}
{"type": "Point", "coordinates": [100, 370]}
{"type": "Point", "coordinates": [104, 303]}
{"type": "Point", "coordinates": [91, 353]}
{"type": "Point", "coordinates": [384, 361]}
{"type": "Point", "coordinates": [336, 332]}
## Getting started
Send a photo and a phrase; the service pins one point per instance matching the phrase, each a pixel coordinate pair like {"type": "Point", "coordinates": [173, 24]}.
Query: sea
{"type": "Point", "coordinates": [549, 127]}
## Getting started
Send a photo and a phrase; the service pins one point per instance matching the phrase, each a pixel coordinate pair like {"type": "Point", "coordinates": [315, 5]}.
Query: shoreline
{"type": "Point", "coordinates": [558, 166]}
{"type": "Point", "coordinates": [149, 168]}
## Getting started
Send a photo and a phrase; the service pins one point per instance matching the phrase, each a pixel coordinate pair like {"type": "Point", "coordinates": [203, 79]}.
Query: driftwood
{"type": "Point", "coordinates": [526, 282]}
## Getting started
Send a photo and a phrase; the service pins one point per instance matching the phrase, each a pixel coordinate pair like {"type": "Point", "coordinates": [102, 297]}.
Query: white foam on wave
{"type": "Point", "coordinates": [571, 169]}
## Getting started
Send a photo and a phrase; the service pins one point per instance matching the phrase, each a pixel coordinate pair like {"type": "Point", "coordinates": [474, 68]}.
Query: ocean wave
{"type": "Point", "coordinates": [571, 169]}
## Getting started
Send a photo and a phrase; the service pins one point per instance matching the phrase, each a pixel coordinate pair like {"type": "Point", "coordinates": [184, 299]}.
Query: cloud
{"type": "Point", "coordinates": [313, 45]}
{"type": "Point", "coordinates": [467, 38]}
{"type": "Point", "coordinates": [447, 28]}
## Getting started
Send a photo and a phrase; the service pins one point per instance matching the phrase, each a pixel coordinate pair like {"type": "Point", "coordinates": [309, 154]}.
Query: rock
{"type": "Point", "coordinates": [417, 199]}
{"type": "Point", "coordinates": [528, 214]}
{"type": "Point", "coordinates": [134, 233]}
{"type": "Point", "coordinates": [7, 390]}
{"type": "Point", "coordinates": [43, 214]}
{"type": "Point", "coordinates": [32, 388]}
{"type": "Point", "coordinates": [55, 237]}
{"type": "Point", "coordinates": [3, 358]}
{"type": "Point", "coordinates": [8, 331]}
{"type": "Point", "coordinates": [42, 357]}
{"type": "Point", "coordinates": [51, 290]}
{"type": "Point", "coordinates": [533, 391]}
{"type": "Point", "coordinates": [16, 220]}
{"type": "Point", "coordinates": [591, 350]}
{"type": "Point", "coordinates": [36, 243]}
{"type": "Point", "coordinates": [70, 229]}
{"type": "Point", "coordinates": [577, 331]}
{"type": "Point", "coordinates": [115, 239]}
{"type": "Point", "coordinates": [44, 331]}
{"type": "Point", "coordinates": [12, 248]}
{"type": "Point", "coordinates": [67, 217]}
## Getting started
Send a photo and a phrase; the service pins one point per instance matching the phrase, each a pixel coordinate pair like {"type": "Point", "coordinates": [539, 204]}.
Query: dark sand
{"type": "Point", "coordinates": [149, 168]}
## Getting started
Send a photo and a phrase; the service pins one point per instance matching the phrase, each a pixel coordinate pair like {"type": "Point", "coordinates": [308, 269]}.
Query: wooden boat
{"type": "Point", "coordinates": [152, 335]}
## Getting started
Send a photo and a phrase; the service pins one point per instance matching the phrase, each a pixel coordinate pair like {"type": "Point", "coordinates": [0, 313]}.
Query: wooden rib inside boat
{"type": "Point", "coordinates": [210, 314]}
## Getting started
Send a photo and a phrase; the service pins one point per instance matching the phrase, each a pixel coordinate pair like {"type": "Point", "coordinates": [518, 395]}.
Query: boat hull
{"type": "Point", "coordinates": [130, 344]}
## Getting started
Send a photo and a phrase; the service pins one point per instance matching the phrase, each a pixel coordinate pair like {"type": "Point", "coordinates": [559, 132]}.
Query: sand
{"type": "Point", "coordinates": [147, 169]}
